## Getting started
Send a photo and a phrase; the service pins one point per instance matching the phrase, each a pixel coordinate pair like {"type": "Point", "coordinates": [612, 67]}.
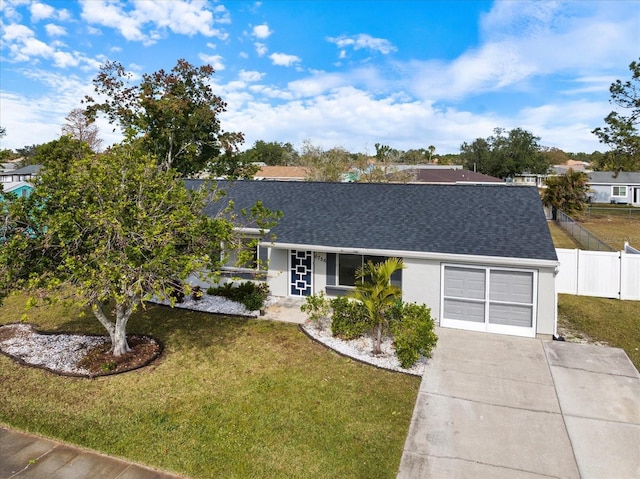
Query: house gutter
{"type": "Point", "coordinates": [447, 257]}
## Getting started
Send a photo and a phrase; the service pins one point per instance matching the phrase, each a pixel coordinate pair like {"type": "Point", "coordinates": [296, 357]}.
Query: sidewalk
{"type": "Point", "coordinates": [24, 456]}
{"type": "Point", "coordinates": [495, 406]}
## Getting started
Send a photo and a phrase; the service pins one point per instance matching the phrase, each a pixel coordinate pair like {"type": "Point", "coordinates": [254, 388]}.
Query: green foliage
{"type": "Point", "coordinates": [621, 133]}
{"type": "Point", "coordinates": [60, 152]}
{"type": "Point", "coordinates": [413, 332]}
{"type": "Point", "coordinates": [116, 228]}
{"type": "Point", "coordinates": [375, 291]}
{"type": "Point", "coordinates": [324, 165]}
{"type": "Point", "coordinates": [270, 153]}
{"type": "Point", "coordinates": [175, 115]}
{"type": "Point", "coordinates": [568, 192]}
{"type": "Point", "coordinates": [349, 319]}
{"type": "Point", "coordinates": [503, 155]}
{"type": "Point", "coordinates": [317, 307]}
{"type": "Point", "coordinates": [251, 294]}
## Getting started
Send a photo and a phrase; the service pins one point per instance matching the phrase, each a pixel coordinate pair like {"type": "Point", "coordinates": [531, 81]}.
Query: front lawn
{"type": "Point", "coordinates": [230, 397]}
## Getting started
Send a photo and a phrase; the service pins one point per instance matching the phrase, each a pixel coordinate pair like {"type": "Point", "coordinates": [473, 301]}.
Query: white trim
{"type": "Point", "coordinates": [449, 257]}
{"type": "Point", "coordinates": [626, 191]}
{"type": "Point", "coordinates": [487, 326]}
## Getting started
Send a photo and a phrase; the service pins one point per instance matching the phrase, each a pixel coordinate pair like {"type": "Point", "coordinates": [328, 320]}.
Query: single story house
{"type": "Point", "coordinates": [481, 257]}
{"type": "Point", "coordinates": [610, 187]}
{"type": "Point", "coordinates": [25, 173]}
{"type": "Point", "coordinates": [18, 188]}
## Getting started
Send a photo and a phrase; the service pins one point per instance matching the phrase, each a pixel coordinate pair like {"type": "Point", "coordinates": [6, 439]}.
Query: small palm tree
{"type": "Point", "coordinates": [375, 291]}
{"type": "Point", "coordinates": [568, 192]}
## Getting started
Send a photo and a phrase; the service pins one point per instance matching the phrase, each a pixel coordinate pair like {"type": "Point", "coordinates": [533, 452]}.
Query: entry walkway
{"type": "Point", "coordinates": [493, 406]}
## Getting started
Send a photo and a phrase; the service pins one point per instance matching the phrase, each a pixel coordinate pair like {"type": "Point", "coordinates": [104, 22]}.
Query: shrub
{"type": "Point", "coordinates": [251, 294]}
{"type": "Point", "coordinates": [413, 332]}
{"type": "Point", "coordinates": [349, 319]}
{"type": "Point", "coordinates": [318, 309]}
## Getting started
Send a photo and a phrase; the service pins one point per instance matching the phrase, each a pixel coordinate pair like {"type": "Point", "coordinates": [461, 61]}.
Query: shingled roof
{"type": "Point", "coordinates": [502, 221]}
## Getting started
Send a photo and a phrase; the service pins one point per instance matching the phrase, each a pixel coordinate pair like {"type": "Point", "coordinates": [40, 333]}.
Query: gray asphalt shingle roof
{"type": "Point", "coordinates": [502, 221]}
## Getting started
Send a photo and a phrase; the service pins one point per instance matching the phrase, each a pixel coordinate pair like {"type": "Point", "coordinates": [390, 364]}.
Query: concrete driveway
{"type": "Point", "coordinates": [494, 406]}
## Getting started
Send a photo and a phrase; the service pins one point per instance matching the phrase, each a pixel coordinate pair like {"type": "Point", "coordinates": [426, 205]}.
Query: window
{"type": "Point", "coordinates": [348, 264]}
{"type": "Point", "coordinates": [246, 257]}
{"type": "Point", "coordinates": [619, 191]}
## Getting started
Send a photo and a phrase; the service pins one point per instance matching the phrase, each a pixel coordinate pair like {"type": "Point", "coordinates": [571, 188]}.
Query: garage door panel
{"type": "Point", "coordinates": [464, 283]}
{"type": "Point", "coordinates": [511, 315]}
{"type": "Point", "coordinates": [511, 286]}
{"type": "Point", "coordinates": [464, 310]}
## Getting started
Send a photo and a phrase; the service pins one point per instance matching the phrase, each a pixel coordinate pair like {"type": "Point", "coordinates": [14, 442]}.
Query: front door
{"type": "Point", "coordinates": [636, 196]}
{"type": "Point", "coordinates": [301, 273]}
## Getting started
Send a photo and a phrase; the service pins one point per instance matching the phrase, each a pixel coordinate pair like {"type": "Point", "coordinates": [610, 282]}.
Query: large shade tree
{"type": "Point", "coordinates": [175, 114]}
{"type": "Point", "coordinates": [505, 154]}
{"type": "Point", "coordinates": [621, 132]}
{"type": "Point", "coordinates": [115, 230]}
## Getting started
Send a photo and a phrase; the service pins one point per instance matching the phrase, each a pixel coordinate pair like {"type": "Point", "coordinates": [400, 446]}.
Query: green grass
{"type": "Point", "coordinates": [232, 398]}
{"type": "Point", "coordinates": [560, 237]}
{"type": "Point", "coordinates": [609, 320]}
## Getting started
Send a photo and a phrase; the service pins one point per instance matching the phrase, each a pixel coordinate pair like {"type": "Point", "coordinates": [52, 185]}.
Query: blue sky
{"type": "Point", "coordinates": [407, 74]}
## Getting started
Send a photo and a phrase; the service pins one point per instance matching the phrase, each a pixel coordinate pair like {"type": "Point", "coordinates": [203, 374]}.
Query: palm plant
{"type": "Point", "coordinates": [375, 291]}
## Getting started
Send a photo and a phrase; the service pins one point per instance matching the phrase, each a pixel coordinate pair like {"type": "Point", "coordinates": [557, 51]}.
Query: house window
{"type": "Point", "coordinates": [619, 191]}
{"type": "Point", "coordinates": [348, 264]}
{"type": "Point", "coordinates": [246, 256]}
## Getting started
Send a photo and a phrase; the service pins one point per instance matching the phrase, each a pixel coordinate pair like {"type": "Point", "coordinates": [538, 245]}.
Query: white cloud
{"type": "Point", "coordinates": [365, 41]}
{"type": "Point", "coordinates": [41, 11]}
{"type": "Point", "coordinates": [149, 21]}
{"type": "Point", "coordinates": [55, 30]}
{"type": "Point", "coordinates": [261, 48]}
{"type": "Point", "coordinates": [250, 76]}
{"type": "Point", "coordinates": [216, 61]}
{"type": "Point", "coordinates": [262, 31]}
{"type": "Point", "coordinates": [282, 59]}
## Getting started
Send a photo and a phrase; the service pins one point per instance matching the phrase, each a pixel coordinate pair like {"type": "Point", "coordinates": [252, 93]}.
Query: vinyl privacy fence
{"type": "Point", "coordinates": [599, 273]}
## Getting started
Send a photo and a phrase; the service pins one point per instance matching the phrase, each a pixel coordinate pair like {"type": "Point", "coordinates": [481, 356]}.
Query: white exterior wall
{"type": "Point", "coordinates": [278, 276]}
{"type": "Point", "coordinates": [547, 303]}
{"type": "Point", "coordinates": [319, 272]}
{"type": "Point", "coordinates": [421, 284]}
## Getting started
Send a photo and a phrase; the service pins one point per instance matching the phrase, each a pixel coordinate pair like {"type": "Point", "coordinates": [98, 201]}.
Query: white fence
{"type": "Point", "coordinates": [599, 273]}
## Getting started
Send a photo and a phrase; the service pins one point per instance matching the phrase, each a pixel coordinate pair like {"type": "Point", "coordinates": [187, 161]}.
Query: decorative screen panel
{"type": "Point", "coordinates": [301, 273]}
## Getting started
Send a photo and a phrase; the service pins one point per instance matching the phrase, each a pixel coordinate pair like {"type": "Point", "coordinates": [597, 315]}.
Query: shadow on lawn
{"type": "Point", "coordinates": [176, 328]}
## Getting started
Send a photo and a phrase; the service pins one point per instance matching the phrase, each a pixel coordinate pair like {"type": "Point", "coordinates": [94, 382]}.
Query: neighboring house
{"type": "Point", "coordinates": [26, 173]}
{"type": "Point", "coordinates": [18, 188]}
{"type": "Point", "coordinates": [282, 173]}
{"type": "Point", "coordinates": [610, 187]}
{"type": "Point", "coordinates": [481, 257]}
{"type": "Point", "coordinates": [528, 179]}
{"type": "Point", "coordinates": [454, 177]}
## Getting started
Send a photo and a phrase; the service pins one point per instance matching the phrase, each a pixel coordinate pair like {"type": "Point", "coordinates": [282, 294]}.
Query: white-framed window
{"type": "Point", "coordinates": [620, 191]}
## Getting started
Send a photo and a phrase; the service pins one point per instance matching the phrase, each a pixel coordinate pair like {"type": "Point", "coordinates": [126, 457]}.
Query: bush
{"type": "Point", "coordinates": [318, 309]}
{"type": "Point", "coordinates": [413, 332]}
{"type": "Point", "coordinates": [349, 319]}
{"type": "Point", "coordinates": [250, 294]}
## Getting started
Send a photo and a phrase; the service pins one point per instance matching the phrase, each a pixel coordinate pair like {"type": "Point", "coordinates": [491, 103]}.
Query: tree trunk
{"type": "Point", "coordinates": [117, 330]}
{"type": "Point", "coordinates": [377, 342]}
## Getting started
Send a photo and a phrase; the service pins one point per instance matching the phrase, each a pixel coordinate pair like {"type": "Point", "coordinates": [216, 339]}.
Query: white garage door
{"type": "Point", "coordinates": [489, 299]}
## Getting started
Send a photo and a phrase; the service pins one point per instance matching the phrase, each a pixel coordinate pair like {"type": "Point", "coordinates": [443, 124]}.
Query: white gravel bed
{"type": "Point", "coordinates": [61, 352]}
{"type": "Point", "coordinates": [58, 352]}
{"type": "Point", "coordinates": [361, 348]}
{"type": "Point", "coordinates": [216, 304]}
